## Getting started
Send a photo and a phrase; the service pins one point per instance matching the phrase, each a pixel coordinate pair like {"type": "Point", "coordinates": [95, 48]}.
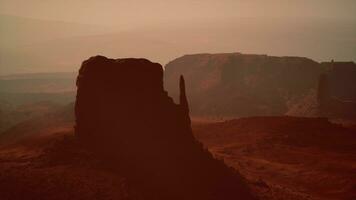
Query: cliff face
{"type": "Point", "coordinates": [337, 90]}
{"type": "Point", "coordinates": [242, 85]}
{"type": "Point", "coordinates": [124, 114]}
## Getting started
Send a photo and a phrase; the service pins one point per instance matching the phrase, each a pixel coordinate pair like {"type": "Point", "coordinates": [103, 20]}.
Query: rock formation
{"type": "Point", "coordinates": [337, 90]}
{"type": "Point", "coordinates": [124, 115]}
{"type": "Point", "coordinates": [235, 85]}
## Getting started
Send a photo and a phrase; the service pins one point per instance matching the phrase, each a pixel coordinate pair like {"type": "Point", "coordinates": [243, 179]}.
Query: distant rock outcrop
{"type": "Point", "coordinates": [235, 84]}
{"type": "Point", "coordinates": [306, 106]}
{"type": "Point", "coordinates": [124, 114]}
{"type": "Point", "coordinates": [337, 90]}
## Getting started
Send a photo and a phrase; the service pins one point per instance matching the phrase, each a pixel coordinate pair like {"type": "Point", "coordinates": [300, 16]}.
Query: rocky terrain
{"type": "Point", "coordinates": [287, 157]}
{"type": "Point", "coordinates": [282, 158]}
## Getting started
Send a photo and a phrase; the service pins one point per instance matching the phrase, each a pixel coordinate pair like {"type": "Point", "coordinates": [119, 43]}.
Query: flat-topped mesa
{"type": "Point", "coordinates": [255, 84]}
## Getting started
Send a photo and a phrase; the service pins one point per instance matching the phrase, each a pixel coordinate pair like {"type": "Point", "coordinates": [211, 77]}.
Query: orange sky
{"type": "Point", "coordinates": [132, 13]}
{"type": "Point", "coordinates": [162, 30]}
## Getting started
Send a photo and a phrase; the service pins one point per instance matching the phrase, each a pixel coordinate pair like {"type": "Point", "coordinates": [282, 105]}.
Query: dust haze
{"type": "Point", "coordinates": [178, 100]}
{"type": "Point", "coordinates": [52, 36]}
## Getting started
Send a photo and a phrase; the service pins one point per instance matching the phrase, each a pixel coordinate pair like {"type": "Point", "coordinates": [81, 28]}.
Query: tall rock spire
{"type": "Point", "coordinates": [182, 97]}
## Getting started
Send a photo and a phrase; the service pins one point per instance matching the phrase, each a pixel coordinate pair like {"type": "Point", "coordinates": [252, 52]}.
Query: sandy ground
{"type": "Point", "coordinates": [287, 159]}
{"type": "Point", "coordinates": [282, 159]}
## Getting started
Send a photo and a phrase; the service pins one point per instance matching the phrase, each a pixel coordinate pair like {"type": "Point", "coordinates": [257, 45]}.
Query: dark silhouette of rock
{"type": "Point", "coordinates": [183, 97]}
{"type": "Point", "coordinates": [125, 116]}
{"type": "Point", "coordinates": [337, 90]}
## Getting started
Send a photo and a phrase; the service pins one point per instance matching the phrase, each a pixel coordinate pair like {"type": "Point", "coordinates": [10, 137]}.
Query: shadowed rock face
{"type": "Point", "coordinates": [337, 90]}
{"type": "Point", "coordinates": [124, 114]}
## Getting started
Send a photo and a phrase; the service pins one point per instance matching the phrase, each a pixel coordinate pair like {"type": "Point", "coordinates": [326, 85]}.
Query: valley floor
{"type": "Point", "coordinates": [283, 158]}
{"type": "Point", "coordinates": [287, 157]}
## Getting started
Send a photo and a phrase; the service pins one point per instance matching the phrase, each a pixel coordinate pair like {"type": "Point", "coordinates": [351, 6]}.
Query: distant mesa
{"type": "Point", "coordinates": [238, 85]}
{"type": "Point", "coordinates": [123, 113]}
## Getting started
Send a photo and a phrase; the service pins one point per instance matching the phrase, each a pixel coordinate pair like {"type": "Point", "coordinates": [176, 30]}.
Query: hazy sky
{"type": "Point", "coordinates": [131, 13]}
{"type": "Point", "coordinates": [162, 30]}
